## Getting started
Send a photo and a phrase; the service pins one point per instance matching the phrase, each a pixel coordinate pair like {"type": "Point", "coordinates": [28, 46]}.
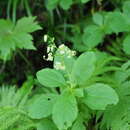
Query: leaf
{"type": "Point", "coordinates": [46, 125]}
{"type": "Point", "coordinates": [126, 8]}
{"type": "Point", "coordinates": [126, 44]}
{"type": "Point", "coordinates": [79, 92]}
{"type": "Point", "coordinates": [6, 27]}
{"type": "Point", "coordinates": [16, 36]}
{"type": "Point", "coordinates": [65, 110]}
{"type": "Point", "coordinates": [85, 1]}
{"type": "Point", "coordinates": [113, 22]}
{"type": "Point", "coordinates": [7, 47]}
{"type": "Point", "coordinates": [40, 106]}
{"type": "Point", "coordinates": [50, 78]}
{"type": "Point", "coordinates": [27, 25]}
{"type": "Point", "coordinates": [24, 40]}
{"type": "Point", "coordinates": [51, 4]}
{"type": "Point", "coordinates": [98, 18]}
{"type": "Point", "coordinates": [66, 4]}
{"type": "Point", "coordinates": [22, 95]}
{"type": "Point", "coordinates": [98, 96]}
{"type": "Point", "coordinates": [93, 35]}
{"type": "Point", "coordinates": [84, 67]}
{"type": "Point", "coordinates": [78, 124]}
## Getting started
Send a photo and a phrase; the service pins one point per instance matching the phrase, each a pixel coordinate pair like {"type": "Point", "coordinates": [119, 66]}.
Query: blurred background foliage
{"type": "Point", "coordinates": [63, 19]}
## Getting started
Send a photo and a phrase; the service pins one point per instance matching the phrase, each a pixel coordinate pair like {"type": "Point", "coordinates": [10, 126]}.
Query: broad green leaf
{"type": "Point", "coordinates": [50, 78]}
{"type": "Point", "coordinates": [116, 22]}
{"type": "Point", "coordinates": [51, 4]}
{"type": "Point", "coordinates": [65, 111]}
{"type": "Point", "coordinates": [40, 106]}
{"type": "Point", "coordinates": [27, 25]}
{"type": "Point", "coordinates": [98, 96]}
{"type": "Point", "coordinates": [66, 4]}
{"type": "Point", "coordinates": [85, 1]}
{"type": "Point", "coordinates": [98, 18]}
{"type": "Point", "coordinates": [78, 124]}
{"type": "Point", "coordinates": [93, 35]}
{"type": "Point", "coordinates": [46, 125]}
{"type": "Point", "coordinates": [84, 67]}
{"type": "Point", "coordinates": [126, 44]}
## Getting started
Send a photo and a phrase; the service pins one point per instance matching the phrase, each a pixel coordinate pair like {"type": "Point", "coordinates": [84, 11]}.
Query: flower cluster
{"type": "Point", "coordinates": [64, 50]}
{"type": "Point", "coordinates": [50, 51]}
{"type": "Point", "coordinates": [59, 66]}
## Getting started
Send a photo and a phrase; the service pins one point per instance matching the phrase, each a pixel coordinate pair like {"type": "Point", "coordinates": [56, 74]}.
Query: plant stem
{"type": "Point", "coordinates": [14, 10]}
{"type": "Point", "coordinates": [25, 59]}
{"type": "Point", "coordinates": [8, 9]}
{"type": "Point", "coordinates": [27, 8]}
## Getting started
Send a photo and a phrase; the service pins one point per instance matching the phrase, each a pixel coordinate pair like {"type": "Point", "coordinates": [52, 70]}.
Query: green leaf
{"type": "Point", "coordinates": [93, 35]}
{"type": "Point", "coordinates": [85, 1]}
{"type": "Point", "coordinates": [6, 41]}
{"type": "Point", "coordinates": [126, 44]}
{"type": "Point", "coordinates": [98, 96]}
{"type": "Point", "coordinates": [46, 125]}
{"type": "Point", "coordinates": [84, 67]}
{"type": "Point", "coordinates": [51, 4]}
{"type": "Point", "coordinates": [98, 19]}
{"type": "Point", "coordinates": [16, 36]}
{"type": "Point", "coordinates": [7, 47]}
{"type": "Point", "coordinates": [78, 125]}
{"type": "Point", "coordinates": [126, 8]}
{"type": "Point", "coordinates": [66, 4]}
{"type": "Point", "coordinates": [6, 27]}
{"type": "Point", "coordinates": [65, 111]}
{"type": "Point", "coordinates": [50, 78]}
{"type": "Point", "coordinates": [27, 25]}
{"type": "Point", "coordinates": [24, 41]}
{"type": "Point", "coordinates": [116, 22]}
{"type": "Point", "coordinates": [78, 92]}
{"type": "Point", "coordinates": [40, 106]}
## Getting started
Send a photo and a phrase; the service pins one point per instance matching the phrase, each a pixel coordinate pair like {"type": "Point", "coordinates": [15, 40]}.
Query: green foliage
{"type": "Point", "coordinates": [63, 4]}
{"type": "Point", "coordinates": [117, 117]}
{"type": "Point", "coordinates": [46, 124]}
{"type": "Point", "coordinates": [85, 84]}
{"type": "Point", "coordinates": [16, 36]}
{"type": "Point", "coordinates": [83, 68]}
{"type": "Point", "coordinates": [42, 102]}
{"type": "Point", "coordinates": [52, 78]}
{"type": "Point", "coordinates": [98, 96]}
{"type": "Point", "coordinates": [80, 87]}
{"type": "Point", "coordinates": [12, 107]}
{"type": "Point", "coordinates": [65, 110]}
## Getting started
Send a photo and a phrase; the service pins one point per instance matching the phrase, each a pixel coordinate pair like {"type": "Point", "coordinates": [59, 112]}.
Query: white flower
{"type": "Point", "coordinates": [50, 57]}
{"type": "Point", "coordinates": [73, 53]}
{"type": "Point", "coordinates": [48, 49]}
{"type": "Point", "coordinates": [45, 38]}
{"type": "Point", "coordinates": [62, 46]}
{"type": "Point", "coordinates": [59, 66]}
{"type": "Point", "coordinates": [44, 57]}
{"type": "Point", "coordinates": [62, 52]}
